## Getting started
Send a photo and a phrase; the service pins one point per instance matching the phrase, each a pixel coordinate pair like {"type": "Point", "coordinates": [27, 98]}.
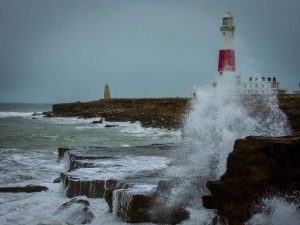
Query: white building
{"type": "Point", "coordinates": [262, 85]}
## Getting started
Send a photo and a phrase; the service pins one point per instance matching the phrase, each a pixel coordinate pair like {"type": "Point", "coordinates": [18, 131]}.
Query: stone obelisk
{"type": "Point", "coordinates": [106, 92]}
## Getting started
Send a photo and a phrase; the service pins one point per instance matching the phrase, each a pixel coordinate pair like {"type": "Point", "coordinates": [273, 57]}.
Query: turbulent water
{"type": "Point", "coordinates": [217, 117]}
{"type": "Point", "coordinates": [29, 156]}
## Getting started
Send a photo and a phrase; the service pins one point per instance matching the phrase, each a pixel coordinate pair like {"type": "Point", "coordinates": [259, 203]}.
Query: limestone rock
{"type": "Point", "coordinates": [97, 121]}
{"type": "Point", "coordinates": [146, 207]}
{"type": "Point", "coordinates": [76, 211]}
{"type": "Point", "coordinates": [256, 168]}
{"type": "Point", "coordinates": [57, 180]}
{"type": "Point", "coordinates": [61, 152]}
{"type": "Point", "coordinates": [28, 189]}
{"type": "Point", "coordinates": [110, 125]}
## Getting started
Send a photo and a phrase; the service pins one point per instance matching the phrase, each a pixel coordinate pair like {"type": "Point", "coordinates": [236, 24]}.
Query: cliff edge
{"type": "Point", "coordinates": [258, 167]}
{"type": "Point", "coordinates": [156, 112]}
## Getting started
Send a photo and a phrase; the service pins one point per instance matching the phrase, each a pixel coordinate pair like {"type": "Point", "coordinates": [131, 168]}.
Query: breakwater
{"type": "Point", "coordinates": [156, 112]}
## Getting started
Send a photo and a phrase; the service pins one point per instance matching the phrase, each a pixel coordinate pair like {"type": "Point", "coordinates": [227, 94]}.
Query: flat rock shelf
{"type": "Point", "coordinates": [126, 177]}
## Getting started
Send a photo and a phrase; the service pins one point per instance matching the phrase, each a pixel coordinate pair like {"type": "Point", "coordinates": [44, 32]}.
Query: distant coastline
{"type": "Point", "coordinates": [166, 113]}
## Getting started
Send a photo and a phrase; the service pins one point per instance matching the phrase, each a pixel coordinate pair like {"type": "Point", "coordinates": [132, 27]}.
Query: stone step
{"type": "Point", "coordinates": [128, 183]}
{"type": "Point", "coordinates": [76, 186]}
{"type": "Point", "coordinates": [146, 204]}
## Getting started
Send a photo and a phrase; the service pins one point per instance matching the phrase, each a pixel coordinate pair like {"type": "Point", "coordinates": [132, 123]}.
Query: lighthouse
{"type": "Point", "coordinates": [226, 52]}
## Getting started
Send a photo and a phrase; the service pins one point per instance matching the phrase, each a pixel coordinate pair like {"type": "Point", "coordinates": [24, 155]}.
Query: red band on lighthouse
{"type": "Point", "coordinates": [226, 60]}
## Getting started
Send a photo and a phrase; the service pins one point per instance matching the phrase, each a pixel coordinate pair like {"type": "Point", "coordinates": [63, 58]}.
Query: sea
{"type": "Point", "coordinates": [28, 148]}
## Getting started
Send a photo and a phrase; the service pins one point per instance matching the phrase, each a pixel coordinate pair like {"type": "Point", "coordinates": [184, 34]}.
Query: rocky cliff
{"type": "Point", "coordinates": [159, 112]}
{"type": "Point", "coordinates": [257, 168]}
{"type": "Point", "coordinates": [156, 112]}
{"type": "Point", "coordinates": [290, 105]}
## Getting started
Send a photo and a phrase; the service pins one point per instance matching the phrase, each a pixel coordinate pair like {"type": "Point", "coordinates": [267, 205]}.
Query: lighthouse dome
{"type": "Point", "coordinates": [228, 15]}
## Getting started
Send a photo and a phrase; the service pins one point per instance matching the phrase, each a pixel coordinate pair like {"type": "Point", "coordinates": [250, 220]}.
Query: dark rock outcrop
{"type": "Point", "coordinates": [97, 121]}
{"type": "Point", "coordinates": [290, 105]}
{"type": "Point", "coordinates": [77, 186]}
{"type": "Point", "coordinates": [28, 189]}
{"type": "Point", "coordinates": [133, 207]}
{"type": "Point", "coordinates": [76, 211]}
{"type": "Point", "coordinates": [110, 125]}
{"type": "Point", "coordinates": [37, 114]}
{"type": "Point", "coordinates": [74, 186]}
{"type": "Point", "coordinates": [48, 114]}
{"type": "Point", "coordinates": [151, 206]}
{"type": "Point", "coordinates": [62, 151]}
{"type": "Point", "coordinates": [108, 196]}
{"type": "Point", "coordinates": [76, 164]}
{"type": "Point", "coordinates": [57, 180]}
{"type": "Point", "coordinates": [257, 168]}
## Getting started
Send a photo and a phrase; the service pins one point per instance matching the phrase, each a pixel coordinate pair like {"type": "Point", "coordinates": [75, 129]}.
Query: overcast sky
{"type": "Point", "coordinates": [66, 50]}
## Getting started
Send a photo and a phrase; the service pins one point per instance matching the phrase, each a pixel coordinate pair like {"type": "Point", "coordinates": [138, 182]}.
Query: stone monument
{"type": "Point", "coordinates": [106, 92]}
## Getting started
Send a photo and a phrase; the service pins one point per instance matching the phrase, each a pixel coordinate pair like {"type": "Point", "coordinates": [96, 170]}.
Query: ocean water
{"type": "Point", "coordinates": [217, 117]}
{"type": "Point", "coordinates": [28, 150]}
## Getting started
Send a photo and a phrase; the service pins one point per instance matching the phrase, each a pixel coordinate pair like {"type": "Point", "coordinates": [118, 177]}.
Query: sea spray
{"type": "Point", "coordinates": [217, 117]}
{"type": "Point", "coordinates": [277, 211]}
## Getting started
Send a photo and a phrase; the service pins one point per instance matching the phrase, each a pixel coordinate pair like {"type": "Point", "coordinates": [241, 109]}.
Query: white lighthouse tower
{"type": "Point", "coordinates": [226, 52]}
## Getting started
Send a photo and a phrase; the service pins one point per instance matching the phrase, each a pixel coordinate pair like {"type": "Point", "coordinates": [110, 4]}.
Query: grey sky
{"type": "Point", "coordinates": [66, 50]}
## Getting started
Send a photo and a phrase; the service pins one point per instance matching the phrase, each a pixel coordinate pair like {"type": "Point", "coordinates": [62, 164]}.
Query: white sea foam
{"type": "Point", "coordinates": [121, 167]}
{"type": "Point", "coordinates": [137, 130]}
{"type": "Point", "coordinates": [23, 168]}
{"type": "Point", "coordinates": [42, 208]}
{"type": "Point", "coordinates": [70, 120]}
{"type": "Point", "coordinates": [200, 216]}
{"type": "Point", "coordinates": [219, 116]}
{"type": "Point", "coordinates": [15, 114]}
{"type": "Point", "coordinates": [277, 211]}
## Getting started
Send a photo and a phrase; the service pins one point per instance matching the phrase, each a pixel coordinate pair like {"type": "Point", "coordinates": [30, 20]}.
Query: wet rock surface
{"type": "Point", "coordinates": [28, 189]}
{"type": "Point", "coordinates": [47, 114]}
{"type": "Point", "coordinates": [290, 105]}
{"type": "Point", "coordinates": [150, 206]}
{"type": "Point", "coordinates": [258, 167]}
{"type": "Point", "coordinates": [110, 125]}
{"type": "Point", "coordinates": [76, 211]}
{"type": "Point", "coordinates": [136, 195]}
{"type": "Point", "coordinates": [62, 151]}
{"type": "Point", "coordinates": [57, 180]}
{"type": "Point", "coordinates": [97, 121]}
